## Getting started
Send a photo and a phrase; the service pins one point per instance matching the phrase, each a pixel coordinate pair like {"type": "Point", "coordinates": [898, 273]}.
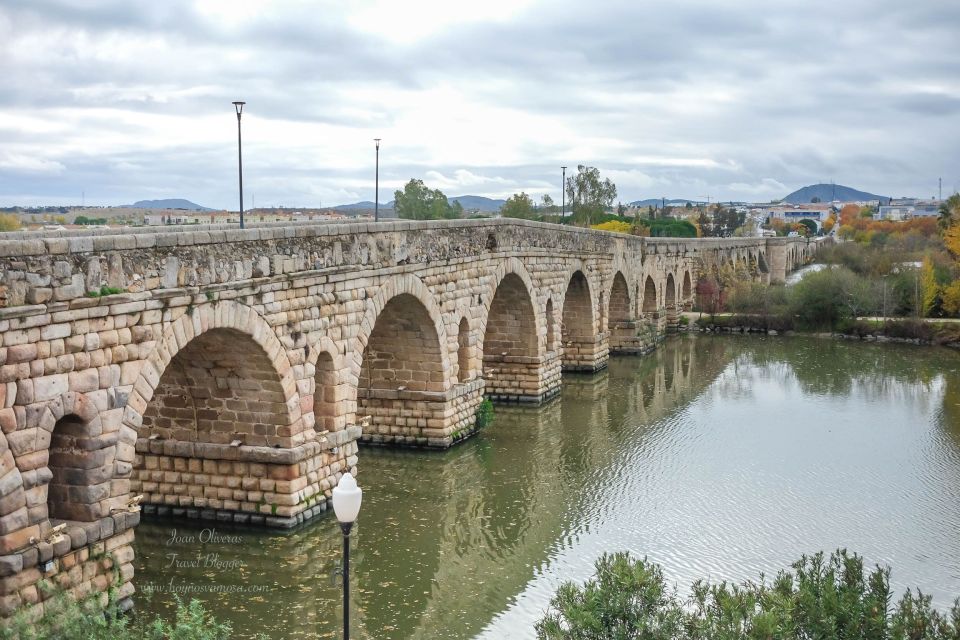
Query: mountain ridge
{"type": "Point", "coordinates": [167, 203]}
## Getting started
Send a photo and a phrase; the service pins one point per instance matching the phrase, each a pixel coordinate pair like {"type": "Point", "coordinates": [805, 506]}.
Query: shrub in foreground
{"type": "Point", "coordinates": [67, 619]}
{"type": "Point", "coordinates": [820, 599]}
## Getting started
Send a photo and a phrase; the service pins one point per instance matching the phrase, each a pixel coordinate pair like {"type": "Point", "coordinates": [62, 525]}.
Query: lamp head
{"type": "Point", "coordinates": [346, 499]}
{"type": "Point", "coordinates": [238, 105]}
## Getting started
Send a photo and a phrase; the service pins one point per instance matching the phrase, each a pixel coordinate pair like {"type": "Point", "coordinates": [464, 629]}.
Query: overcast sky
{"type": "Point", "coordinates": [127, 100]}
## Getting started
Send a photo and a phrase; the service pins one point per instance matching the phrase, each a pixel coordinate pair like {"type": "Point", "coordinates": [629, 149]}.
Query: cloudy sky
{"type": "Point", "coordinates": [744, 99]}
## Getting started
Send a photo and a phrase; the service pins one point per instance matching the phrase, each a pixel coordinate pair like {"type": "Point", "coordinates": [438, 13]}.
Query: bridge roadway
{"type": "Point", "coordinates": [230, 374]}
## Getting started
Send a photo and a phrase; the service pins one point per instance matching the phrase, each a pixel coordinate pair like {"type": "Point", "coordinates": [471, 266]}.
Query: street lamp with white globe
{"type": "Point", "coordinates": [346, 504]}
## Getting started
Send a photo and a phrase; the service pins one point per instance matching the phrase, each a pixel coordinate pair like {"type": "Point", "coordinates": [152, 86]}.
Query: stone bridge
{"type": "Point", "coordinates": [229, 374]}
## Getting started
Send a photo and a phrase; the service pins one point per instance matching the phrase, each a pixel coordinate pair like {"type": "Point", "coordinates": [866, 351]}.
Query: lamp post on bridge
{"type": "Point", "coordinates": [376, 191]}
{"type": "Point", "coordinates": [238, 105]}
{"type": "Point", "coordinates": [563, 196]}
{"type": "Point", "coordinates": [346, 504]}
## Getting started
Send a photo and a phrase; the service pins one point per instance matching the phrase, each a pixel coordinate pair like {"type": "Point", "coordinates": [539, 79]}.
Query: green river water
{"type": "Point", "coordinates": [719, 457]}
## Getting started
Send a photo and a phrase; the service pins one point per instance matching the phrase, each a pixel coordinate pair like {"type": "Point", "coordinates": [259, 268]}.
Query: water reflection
{"type": "Point", "coordinates": [721, 456]}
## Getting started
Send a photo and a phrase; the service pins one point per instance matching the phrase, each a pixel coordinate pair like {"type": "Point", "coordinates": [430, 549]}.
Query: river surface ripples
{"type": "Point", "coordinates": [717, 457]}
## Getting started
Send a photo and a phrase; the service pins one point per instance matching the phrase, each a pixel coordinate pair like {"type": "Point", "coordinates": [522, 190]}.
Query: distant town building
{"type": "Point", "coordinates": [795, 213]}
{"type": "Point", "coordinates": [908, 209]}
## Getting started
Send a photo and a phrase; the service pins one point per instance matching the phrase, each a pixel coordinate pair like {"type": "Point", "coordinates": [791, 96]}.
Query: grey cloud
{"type": "Point", "coordinates": [813, 90]}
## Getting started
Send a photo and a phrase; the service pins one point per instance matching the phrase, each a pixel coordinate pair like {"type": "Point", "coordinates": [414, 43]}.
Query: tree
{"type": "Point", "coordinates": [419, 202]}
{"type": "Point", "coordinates": [519, 205]}
{"type": "Point", "coordinates": [929, 288]}
{"type": "Point", "coordinates": [547, 203]}
{"type": "Point", "coordinates": [949, 211]}
{"type": "Point", "coordinates": [811, 226]}
{"type": "Point", "coordinates": [589, 196]}
{"type": "Point", "coordinates": [705, 224]}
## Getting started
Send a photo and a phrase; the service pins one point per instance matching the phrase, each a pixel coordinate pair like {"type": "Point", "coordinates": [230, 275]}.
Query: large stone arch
{"type": "Point", "coordinates": [236, 320]}
{"type": "Point", "coordinates": [406, 284]}
{"type": "Point", "coordinates": [511, 344]}
{"type": "Point", "coordinates": [583, 346]}
{"type": "Point", "coordinates": [228, 350]}
{"type": "Point", "coordinates": [507, 267]}
{"type": "Point", "coordinates": [218, 397]}
{"type": "Point", "coordinates": [405, 386]}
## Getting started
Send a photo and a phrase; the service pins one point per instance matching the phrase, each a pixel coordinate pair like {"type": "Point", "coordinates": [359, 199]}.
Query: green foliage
{"type": "Point", "coordinates": [821, 598]}
{"type": "Point", "coordinates": [589, 196]}
{"type": "Point", "coordinates": [103, 291]}
{"type": "Point", "coordinates": [824, 298]}
{"type": "Point", "coordinates": [67, 619]}
{"type": "Point", "coordinates": [810, 225]}
{"type": "Point", "coordinates": [519, 205]}
{"type": "Point", "coordinates": [418, 202]}
{"type": "Point", "coordinates": [484, 415]}
{"type": "Point", "coordinates": [720, 222]}
{"type": "Point", "coordinates": [84, 220]}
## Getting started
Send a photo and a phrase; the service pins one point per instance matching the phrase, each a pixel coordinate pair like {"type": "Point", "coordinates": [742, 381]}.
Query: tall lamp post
{"type": "Point", "coordinates": [563, 196]}
{"type": "Point", "coordinates": [376, 192]}
{"type": "Point", "coordinates": [346, 504]}
{"type": "Point", "coordinates": [238, 105]}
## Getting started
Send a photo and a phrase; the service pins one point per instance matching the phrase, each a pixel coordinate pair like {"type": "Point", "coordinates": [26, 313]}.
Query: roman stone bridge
{"type": "Point", "coordinates": [229, 374]}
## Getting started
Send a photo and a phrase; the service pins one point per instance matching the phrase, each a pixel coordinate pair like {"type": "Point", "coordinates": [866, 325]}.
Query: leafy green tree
{"type": "Point", "coordinates": [810, 225]}
{"type": "Point", "coordinates": [519, 205]}
{"type": "Point", "coordinates": [726, 220]}
{"type": "Point", "coordinates": [419, 202]}
{"type": "Point", "coordinates": [589, 195]}
{"type": "Point", "coordinates": [414, 202]}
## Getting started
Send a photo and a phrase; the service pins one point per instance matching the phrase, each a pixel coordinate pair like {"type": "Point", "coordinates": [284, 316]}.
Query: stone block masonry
{"type": "Point", "coordinates": [238, 370]}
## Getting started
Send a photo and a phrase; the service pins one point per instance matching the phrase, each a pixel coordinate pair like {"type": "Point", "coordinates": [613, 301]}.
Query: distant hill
{"type": "Point", "coordinates": [829, 193]}
{"type": "Point", "coordinates": [656, 202]}
{"type": "Point", "coordinates": [478, 203]}
{"type": "Point", "coordinates": [362, 206]}
{"type": "Point", "coordinates": [470, 203]}
{"type": "Point", "coordinates": [170, 203]}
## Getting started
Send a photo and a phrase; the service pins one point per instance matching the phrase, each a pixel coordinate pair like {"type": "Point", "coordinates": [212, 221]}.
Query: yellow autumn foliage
{"type": "Point", "coordinates": [613, 225]}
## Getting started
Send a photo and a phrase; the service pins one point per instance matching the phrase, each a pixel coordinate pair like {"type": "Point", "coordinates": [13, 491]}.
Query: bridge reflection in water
{"type": "Point", "coordinates": [675, 456]}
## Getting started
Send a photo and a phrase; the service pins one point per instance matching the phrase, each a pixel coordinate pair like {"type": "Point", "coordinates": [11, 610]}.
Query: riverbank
{"type": "Point", "coordinates": [900, 330]}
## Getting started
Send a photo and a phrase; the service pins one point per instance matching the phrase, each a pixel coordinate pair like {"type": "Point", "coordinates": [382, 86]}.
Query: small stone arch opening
{"type": "Point", "coordinates": [464, 372]}
{"type": "Point", "coordinates": [649, 296]}
{"type": "Point", "coordinates": [762, 263]}
{"type": "Point", "coordinates": [327, 404]}
{"type": "Point", "coordinates": [670, 295]}
{"type": "Point", "coordinates": [687, 286]}
{"type": "Point", "coordinates": [80, 472]}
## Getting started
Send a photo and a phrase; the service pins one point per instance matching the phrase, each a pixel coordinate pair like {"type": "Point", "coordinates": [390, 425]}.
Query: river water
{"type": "Point", "coordinates": [718, 457]}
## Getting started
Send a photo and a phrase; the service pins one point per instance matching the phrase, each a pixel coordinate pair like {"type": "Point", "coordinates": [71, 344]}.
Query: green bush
{"type": "Point", "coordinates": [103, 291]}
{"type": "Point", "coordinates": [484, 415]}
{"type": "Point", "coordinates": [821, 599]}
{"type": "Point", "coordinates": [67, 619]}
